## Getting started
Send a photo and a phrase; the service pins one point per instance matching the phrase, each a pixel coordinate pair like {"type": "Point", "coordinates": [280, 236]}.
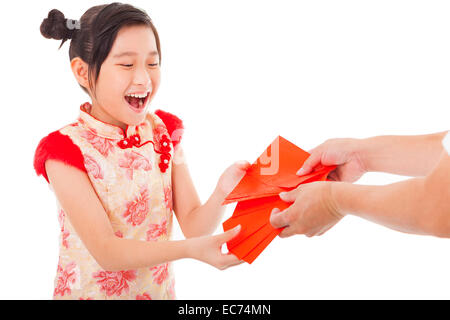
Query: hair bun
{"type": "Point", "coordinates": [55, 26]}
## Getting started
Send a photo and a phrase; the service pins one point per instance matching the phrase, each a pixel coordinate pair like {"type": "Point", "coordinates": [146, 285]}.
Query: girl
{"type": "Point", "coordinates": [117, 169]}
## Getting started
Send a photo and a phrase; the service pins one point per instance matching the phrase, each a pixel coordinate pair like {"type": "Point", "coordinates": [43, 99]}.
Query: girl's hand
{"type": "Point", "coordinates": [313, 212]}
{"type": "Point", "coordinates": [231, 177]}
{"type": "Point", "coordinates": [208, 249]}
{"type": "Point", "coordinates": [345, 153]}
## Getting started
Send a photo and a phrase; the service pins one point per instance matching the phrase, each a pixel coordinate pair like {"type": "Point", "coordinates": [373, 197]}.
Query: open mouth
{"type": "Point", "coordinates": [137, 103]}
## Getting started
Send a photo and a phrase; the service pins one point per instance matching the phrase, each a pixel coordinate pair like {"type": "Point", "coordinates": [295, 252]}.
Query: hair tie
{"type": "Point", "coordinates": [71, 26]}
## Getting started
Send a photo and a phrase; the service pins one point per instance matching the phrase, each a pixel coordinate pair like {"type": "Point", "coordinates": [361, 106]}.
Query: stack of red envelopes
{"type": "Point", "coordinates": [257, 194]}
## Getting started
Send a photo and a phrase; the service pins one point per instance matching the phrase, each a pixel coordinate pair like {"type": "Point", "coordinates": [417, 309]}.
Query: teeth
{"type": "Point", "coordinates": [137, 95]}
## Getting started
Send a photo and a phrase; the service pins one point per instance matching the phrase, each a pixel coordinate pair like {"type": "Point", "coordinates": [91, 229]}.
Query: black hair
{"type": "Point", "coordinates": [93, 35]}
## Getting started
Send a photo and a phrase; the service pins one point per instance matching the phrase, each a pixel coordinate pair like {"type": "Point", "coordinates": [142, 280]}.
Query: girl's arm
{"type": "Point", "coordinates": [79, 200]}
{"type": "Point", "coordinates": [196, 219]}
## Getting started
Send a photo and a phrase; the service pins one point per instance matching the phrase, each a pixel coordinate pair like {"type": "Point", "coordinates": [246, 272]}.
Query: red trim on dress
{"type": "Point", "coordinates": [173, 124]}
{"type": "Point", "coordinates": [59, 147]}
{"type": "Point", "coordinates": [87, 107]}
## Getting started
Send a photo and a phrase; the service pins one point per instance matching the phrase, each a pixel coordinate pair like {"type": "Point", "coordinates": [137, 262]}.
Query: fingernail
{"type": "Point", "coordinates": [275, 210]}
{"type": "Point", "coordinates": [282, 194]}
{"type": "Point", "coordinates": [236, 229]}
{"type": "Point", "coordinates": [300, 172]}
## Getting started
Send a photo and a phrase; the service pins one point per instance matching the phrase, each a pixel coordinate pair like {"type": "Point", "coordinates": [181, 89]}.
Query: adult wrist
{"type": "Point", "coordinates": [333, 200]}
{"type": "Point", "coordinates": [361, 150]}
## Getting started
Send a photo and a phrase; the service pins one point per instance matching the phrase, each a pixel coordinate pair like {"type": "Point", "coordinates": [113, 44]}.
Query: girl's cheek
{"type": "Point", "coordinates": [156, 79]}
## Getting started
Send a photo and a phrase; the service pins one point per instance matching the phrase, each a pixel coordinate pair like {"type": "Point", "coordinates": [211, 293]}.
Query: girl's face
{"type": "Point", "coordinates": [132, 67]}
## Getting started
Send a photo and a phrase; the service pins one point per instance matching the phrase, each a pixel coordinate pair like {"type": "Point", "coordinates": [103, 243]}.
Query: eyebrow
{"type": "Point", "coordinates": [131, 53]}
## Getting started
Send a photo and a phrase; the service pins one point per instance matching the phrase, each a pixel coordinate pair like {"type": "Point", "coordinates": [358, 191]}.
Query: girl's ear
{"type": "Point", "coordinates": [80, 71]}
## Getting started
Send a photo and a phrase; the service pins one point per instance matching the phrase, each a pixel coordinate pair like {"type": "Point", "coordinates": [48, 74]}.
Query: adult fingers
{"type": "Point", "coordinates": [290, 196]}
{"type": "Point", "coordinates": [279, 219]}
{"type": "Point", "coordinates": [333, 176]}
{"type": "Point", "coordinates": [323, 231]}
{"type": "Point", "coordinates": [312, 161]}
{"type": "Point", "coordinates": [287, 232]}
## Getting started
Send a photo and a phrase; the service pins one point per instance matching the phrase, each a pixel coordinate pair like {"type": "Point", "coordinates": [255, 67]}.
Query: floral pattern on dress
{"type": "Point", "coordinates": [160, 273]}
{"type": "Point", "coordinates": [138, 209]}
{"type": "Point", "coordinates": [65, 234]}
{"type": "Point", "coordinates": [66, 279]}
{"type": "Point", "coordinates": [112, 283]}
{"type": "Point", "coordinates": [156, 230]}
{"type": "Point", "coordinates": [159, 131]}
{"type": "Point", "coordinates": [93, 167]}
{"type": "Point", "coordinates": [168, 197]}
{"type": "Point", "coordinates": [61, 215]}
{"type": "Point", "coordinates": [102, 145]}
{"type": "Point", "coordinates": [172, 289]}
{"type": "Point", "coordinates": [144, 296]}
{"type": "Point", "coordinates": [134, 161]}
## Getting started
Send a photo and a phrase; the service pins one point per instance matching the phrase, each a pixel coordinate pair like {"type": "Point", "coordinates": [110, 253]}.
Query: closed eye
{"type": "Point", "coordinates": [130, 65]}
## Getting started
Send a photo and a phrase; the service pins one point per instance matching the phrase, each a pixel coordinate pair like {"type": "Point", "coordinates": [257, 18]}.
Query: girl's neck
{"type": "Point", "coordinates": [98, 113]}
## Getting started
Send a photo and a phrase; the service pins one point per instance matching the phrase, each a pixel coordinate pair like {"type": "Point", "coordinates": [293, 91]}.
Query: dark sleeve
{"type": "Point", "coordinates": [173, 124]}
{"type": "Point", "coordinates": [59, 147]}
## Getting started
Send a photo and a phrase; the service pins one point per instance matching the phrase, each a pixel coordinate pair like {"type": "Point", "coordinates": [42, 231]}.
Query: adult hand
{"type": "Point", "coordinates": [345, 153]}
{"type": "Point", "coordinates": [313, 211]}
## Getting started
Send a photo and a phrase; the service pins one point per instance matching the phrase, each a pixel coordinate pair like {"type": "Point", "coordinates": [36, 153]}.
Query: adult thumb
{"type": "Point", "coordinates": [312, 161]}
{"type": "Point", "coordinates": [289, 196]}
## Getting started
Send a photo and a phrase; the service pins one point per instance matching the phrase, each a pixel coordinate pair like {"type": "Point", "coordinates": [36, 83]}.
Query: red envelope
{"type": "Point", "coordinates": [252, 215]}
{"type": "Point", "coordinates": [257, 195]}
{"type": "Point", "coordinates": [274, 172]}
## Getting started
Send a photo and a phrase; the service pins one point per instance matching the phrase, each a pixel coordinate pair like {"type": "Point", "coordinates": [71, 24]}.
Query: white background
{"type": "Point", "coordinates": [239, 73]}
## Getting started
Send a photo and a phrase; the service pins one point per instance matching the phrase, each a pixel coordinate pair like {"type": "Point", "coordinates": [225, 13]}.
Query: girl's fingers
{"type": "Point", "coordinates": [243, 165]}
{"type": "Point", "coordinates": [228, 235]}
{"type": "Point", "coordinates": [230, 260]}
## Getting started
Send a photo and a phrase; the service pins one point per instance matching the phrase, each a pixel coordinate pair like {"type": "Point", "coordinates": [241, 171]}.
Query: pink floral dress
{"type": "Point", "coordinates": [131, 174]}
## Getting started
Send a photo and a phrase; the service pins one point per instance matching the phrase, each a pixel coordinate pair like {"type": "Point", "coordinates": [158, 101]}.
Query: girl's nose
{"type": "Point", "coordinates": [142, 77]}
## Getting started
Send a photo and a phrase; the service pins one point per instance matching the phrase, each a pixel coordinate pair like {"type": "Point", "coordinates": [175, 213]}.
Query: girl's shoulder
{"type": "Point", "coordinates": [174, 124]}
{"type": "Point", "coordinates": [57, 146]}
